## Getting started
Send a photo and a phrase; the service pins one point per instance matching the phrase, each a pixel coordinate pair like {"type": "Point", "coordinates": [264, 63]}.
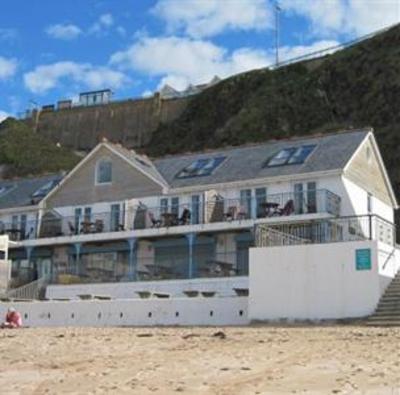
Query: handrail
{"type": "Point", "coordinates": [28, 291]}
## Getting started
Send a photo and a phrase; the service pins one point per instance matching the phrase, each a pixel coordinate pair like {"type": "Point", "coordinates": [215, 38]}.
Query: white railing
{"type": "Point", "coordinates": [267, 237]}
{"type": "Point", "coordinates": [28, 291]}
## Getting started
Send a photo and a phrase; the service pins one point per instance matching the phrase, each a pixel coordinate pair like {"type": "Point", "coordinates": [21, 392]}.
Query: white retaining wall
{"type": "Point", "coordinates": [222, 286]}
{"type": "Point", "coordinates": [134, 312]}
{"type": "Point", "coordinates": [314, 282]}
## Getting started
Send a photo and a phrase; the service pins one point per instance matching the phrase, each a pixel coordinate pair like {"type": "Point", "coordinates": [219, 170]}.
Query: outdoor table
{"type": "Point", "coordinates": [170, 219]}
{"type": "Point", "coordinates": [271, 208]}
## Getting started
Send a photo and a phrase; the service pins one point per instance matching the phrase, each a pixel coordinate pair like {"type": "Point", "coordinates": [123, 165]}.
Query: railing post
{"type": "Point", "coordinates": [78, 257]}
{"type": "Point", "coordinates": [370, 226]}
{"type": "Point", "coordinates": [132, 243]}
{"type": "Point", "coordinates": [191, 237]}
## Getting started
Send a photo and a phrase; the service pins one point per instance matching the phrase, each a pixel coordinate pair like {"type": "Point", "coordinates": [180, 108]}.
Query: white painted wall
{"type": "Point", "coordinates": [312, 282]}
{"type": "Point", "coordinates": [388, 264]}
{"type": "Point", "coordinates": [222, 286]}
{"type": "Point", "coordinates": [134, 312]}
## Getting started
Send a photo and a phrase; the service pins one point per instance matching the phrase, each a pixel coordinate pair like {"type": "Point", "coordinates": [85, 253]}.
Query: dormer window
{"type": "Point", "coordinates": [104, 171]}
{"type": "Point", "coordinates": [291, 156]}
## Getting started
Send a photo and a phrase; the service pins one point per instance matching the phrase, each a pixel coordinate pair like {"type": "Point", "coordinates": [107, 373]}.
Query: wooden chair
{"type": "Point", "coordinates": [155, 223]}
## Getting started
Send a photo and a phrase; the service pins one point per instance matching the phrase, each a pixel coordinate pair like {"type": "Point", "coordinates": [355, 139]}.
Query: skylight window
{"type": "Point", "coordinates": [5, 189]}
{"type": "Point", "coordinates": [291, 156]}
{"type": "Point", "coordinates": [45, 189]}
{"type": "Point", "coordinates": [201, 167]}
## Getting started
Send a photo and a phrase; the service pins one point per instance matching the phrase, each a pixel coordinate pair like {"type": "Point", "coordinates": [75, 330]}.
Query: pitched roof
{"type": "Point", "coordinates": [20, 192]}
{"type": "Point", "coordinates": [139, 161]}
{"type": "Point", "coordinates": [332, 152]}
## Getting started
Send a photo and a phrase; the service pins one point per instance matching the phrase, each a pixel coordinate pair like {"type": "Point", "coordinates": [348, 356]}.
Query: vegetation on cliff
{"type": "Point", "coordinates": [25, 153]}
{"type": "Point", "coordinates": [355, 87]}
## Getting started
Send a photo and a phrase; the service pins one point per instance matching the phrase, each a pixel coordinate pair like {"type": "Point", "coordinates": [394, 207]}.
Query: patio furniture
{"type": "Point", "coordinates": [102, 297]}
{"type": "Point", "coordinates": [155, 223]}
{"type": "Point", "coordinates": [288, 209]}
{"type": "Point", "coordinates": [191, 293]}
{"type": "Point", "coordinates": [185, 217]}
{"type": "Point", "coordinates": [72, 228]}
{"type": "Point", "coordinates": [144, 294]}
{"type": "Point", "coordinates": [270, 208]}
{"type": "Point", "coordinates": [242, 213]}
{"type": "Point", "coordinates": [99, 226]}
{"type": "Point", "coordinates": [87, 227]}
{"type": "Point", "coordinates": [161, 295]}
{"type": "Point", "coordinates": [170, 219]}
{"type": "Point", "coordinates": [230, 215]}
{"type": "Point", "coordinates": [208, 294]}
{"type": "Point", "coordinates": [241, 291]}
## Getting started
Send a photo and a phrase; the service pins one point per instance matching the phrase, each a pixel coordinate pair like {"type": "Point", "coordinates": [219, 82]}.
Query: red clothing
{"type": "Point", "coordinates": [14, 319]}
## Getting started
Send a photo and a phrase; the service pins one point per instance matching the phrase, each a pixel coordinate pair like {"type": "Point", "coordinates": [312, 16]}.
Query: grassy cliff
{"type": "Point", "coordinates": [25, 153]}
{"type": "Point", "coordinates": [358, 86]}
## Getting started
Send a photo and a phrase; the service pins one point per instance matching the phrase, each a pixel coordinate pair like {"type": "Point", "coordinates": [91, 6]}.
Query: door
{"type": "Point", "coordinates": [115, 217]}
{"type": "Point", "coordinates": [261, 197]}
{"type": "Point", "coordinates": [245, 202]}
{"type": "Point", "coordinates": [195, 209]}
{"type": "Point", "coordinates": [298, 198]}
{"type": "Point", "coordinates": [311, 197]}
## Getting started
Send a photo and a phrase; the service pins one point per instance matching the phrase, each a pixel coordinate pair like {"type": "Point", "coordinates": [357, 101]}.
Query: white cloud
{"type": "Point", "coordinates": [355, 17]}
{"type": "Point", "coordinates": [207, 18]}
{"type": "Point", "coordinates": [104, 23]}
{"type": "Point", "coordinates": [64, 32]}
{"type": "Point", "coordinates": [3, 115]}
{"type": "Point", "coordinates": [46, 77]}
{"type": "Point", "coordinates": [8, 68]}
{"type": "Point", "coordinates": [179, 61]}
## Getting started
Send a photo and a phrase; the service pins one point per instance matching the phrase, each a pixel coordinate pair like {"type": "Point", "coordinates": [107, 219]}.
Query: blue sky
{"type": "Point", "coordinates": [52, 50]}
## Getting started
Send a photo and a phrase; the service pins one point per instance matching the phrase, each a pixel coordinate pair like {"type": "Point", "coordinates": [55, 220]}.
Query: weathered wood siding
{"type": "Point", "coordinates": [81, 188]}
{"type": "Point", "coordinates": [365, 171]}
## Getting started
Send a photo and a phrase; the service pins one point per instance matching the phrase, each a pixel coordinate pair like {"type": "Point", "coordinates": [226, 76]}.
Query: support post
{"type": "Point", "coordinates": [191, 237]}
{"type": "Point", "coordinates": [78, 258]}
{"type": "Point", "coordinates": [132, 243]}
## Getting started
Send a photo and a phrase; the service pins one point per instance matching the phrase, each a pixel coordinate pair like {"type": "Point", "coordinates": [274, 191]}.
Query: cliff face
{"type": "Point", "coordinates": [356, 87]}
{"type": "Point", "coordinates": [129, 122]}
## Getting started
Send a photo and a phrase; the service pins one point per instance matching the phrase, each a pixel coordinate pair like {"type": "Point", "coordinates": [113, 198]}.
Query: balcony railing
{"type": "Point", "coordinates": [328, 230]}
{"type": "Point", "coordinates": [215, 210]}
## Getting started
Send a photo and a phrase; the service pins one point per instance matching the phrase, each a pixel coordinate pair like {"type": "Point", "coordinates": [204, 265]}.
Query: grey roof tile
{"type": "Point", "coordinates": [19, 192]}
{"type": "Point", "coordinates": [332, 152]}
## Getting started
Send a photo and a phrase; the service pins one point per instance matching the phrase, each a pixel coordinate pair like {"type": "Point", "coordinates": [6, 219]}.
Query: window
{"type": "Point", "coordinates": [104, 172]}
{"type": "Point", "coordinates": [291, 156]}
{"type": "Point", "coordinates": [175, 205]}
{"type": "Point", "coordinates": [195, 209]}
{"type": "Point", "coordinates": [45, 189]}
{"type": "Point", "coordinates": [298, 198]}
{"type": "Point", "coordinates": [115, 217]}
{"type": "Point", "coordinates": [164, 205]}
{"type": "Point", "coordinates": [311, 197]}
{"type": "Point", "coordinates": [261, 197]}
{"type": "Point", "coordinates": [201, 167]}
{"type": "Point", "coordinates": [245, 202]}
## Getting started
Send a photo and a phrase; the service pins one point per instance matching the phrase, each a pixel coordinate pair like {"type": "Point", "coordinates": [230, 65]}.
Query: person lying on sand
{"type": "Point", "coordinates": [13, 319]}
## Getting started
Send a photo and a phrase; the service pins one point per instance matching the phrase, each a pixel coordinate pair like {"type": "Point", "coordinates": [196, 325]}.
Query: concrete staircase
{"type": "Point", "coordinates": [387, 312]}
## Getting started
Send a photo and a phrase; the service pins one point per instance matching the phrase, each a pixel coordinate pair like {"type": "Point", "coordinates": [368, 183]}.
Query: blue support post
{"type": "Point", "coordinates": [191, 237]}
{"type": "Point", "coordinates": [78, 257]}
{"type": "Point", "coordinates": [132, 258]}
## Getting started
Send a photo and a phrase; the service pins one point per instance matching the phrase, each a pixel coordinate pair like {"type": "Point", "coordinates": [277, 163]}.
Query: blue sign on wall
{"type": "Point", "coordinates": [363, 259]}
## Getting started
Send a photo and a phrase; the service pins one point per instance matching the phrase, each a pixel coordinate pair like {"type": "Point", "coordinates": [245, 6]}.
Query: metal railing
{"type": "Point", "coordinates": [218, 209]}
{"type": "Point", "coordinates": [331, 230]}
{"type": "Point", "coordinates": [29, 291]}
{"type": "Point", "coordinates": [171, 267]}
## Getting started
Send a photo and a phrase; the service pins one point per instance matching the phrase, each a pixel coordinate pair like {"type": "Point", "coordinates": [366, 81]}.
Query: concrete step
{"type": "Point", "coordinates": [383, 323]}
{"type": "Point", "coordinates": [384, 318]}
{"type": "Point", "coordinates": [388, 312]}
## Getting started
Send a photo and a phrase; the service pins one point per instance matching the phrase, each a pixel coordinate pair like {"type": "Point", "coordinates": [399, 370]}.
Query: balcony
{"type": "Point", "coordinates": [216, 210]}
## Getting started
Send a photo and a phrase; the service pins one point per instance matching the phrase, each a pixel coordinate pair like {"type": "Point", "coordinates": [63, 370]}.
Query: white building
{"type": "Point", "coordinates": [121, 218]}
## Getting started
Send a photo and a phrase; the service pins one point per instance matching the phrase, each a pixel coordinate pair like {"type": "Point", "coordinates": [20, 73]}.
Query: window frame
{"type": "Point", "coordinates": [97, 172]}
{"type": "Point", "coordinates": [293, 153]}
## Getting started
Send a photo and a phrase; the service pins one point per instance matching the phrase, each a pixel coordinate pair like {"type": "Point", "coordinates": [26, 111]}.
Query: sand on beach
{"type": "Point", "coordinates": [247, 360]}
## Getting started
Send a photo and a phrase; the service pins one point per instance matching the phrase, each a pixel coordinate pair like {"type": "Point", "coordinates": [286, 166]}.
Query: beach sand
{"type": "Point", "coordinates": [223, 361]}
